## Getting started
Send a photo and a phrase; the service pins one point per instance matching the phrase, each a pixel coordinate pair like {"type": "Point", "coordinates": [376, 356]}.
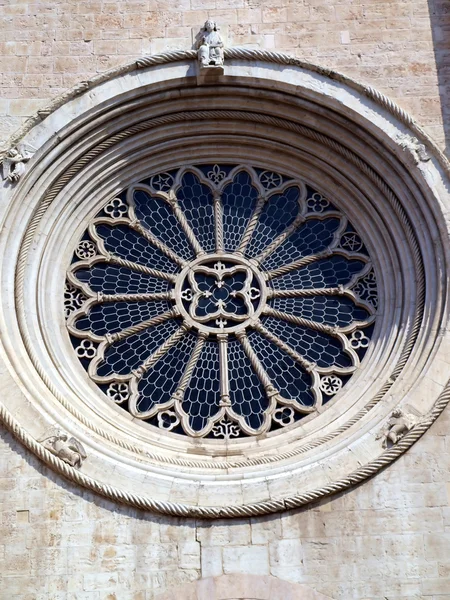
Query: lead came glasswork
{"type": "Point", "coordinates": [220, 301]}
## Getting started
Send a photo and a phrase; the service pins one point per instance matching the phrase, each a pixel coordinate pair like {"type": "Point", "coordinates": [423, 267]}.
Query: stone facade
{"type": "Point", "coordinates": [387, 538]}
{"type": "Point", "coordinates": [399, 47]}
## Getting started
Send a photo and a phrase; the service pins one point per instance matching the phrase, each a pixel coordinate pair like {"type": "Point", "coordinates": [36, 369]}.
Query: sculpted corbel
{"type": "Point", "coordinates": [397, 426]}
{"type": "Point", "coordinates": [68, 449]}
{"type": "Point", "coordinates": [13, 161]}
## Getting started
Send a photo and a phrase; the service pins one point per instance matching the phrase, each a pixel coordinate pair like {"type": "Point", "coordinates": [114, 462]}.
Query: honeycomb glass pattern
{"type": "Point", "coordinates": [218, 300]}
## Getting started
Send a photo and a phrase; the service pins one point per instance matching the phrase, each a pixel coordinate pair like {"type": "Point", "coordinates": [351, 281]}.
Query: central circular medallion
{"type": "Point", "coordinates": [218, 293]}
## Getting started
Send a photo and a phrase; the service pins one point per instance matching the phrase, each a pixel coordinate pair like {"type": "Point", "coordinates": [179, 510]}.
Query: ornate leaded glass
{"type": "Point", "coordinates": [220, 301]}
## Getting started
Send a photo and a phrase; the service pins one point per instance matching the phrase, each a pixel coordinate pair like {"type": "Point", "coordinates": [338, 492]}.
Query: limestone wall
{"type": "Point", "coordinates": [388, 538]}
{"type": "Point", "coordinates": [401, 47]}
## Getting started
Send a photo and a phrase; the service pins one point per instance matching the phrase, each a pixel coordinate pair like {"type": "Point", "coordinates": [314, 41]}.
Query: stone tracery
{"type": "Point", "coordinates": [220, 301]}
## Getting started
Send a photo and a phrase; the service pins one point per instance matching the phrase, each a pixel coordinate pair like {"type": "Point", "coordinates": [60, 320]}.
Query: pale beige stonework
{"type": "Point", "coordinates": [387, 538]}
{"type": "Point", "coordinates": [400, 47]}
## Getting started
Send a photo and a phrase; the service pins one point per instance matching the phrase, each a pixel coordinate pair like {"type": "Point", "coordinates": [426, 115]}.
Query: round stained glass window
{"type": "Point", "coordinates": [220, 301]}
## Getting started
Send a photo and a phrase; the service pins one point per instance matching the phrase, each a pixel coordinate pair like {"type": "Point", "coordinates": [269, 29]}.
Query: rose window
{"type": "Point", "coordinates": [220, 301]}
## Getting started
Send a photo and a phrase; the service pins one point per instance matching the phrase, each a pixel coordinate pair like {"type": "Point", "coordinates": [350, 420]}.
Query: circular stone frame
{"type": "Point", "coordinates": [354, 146]}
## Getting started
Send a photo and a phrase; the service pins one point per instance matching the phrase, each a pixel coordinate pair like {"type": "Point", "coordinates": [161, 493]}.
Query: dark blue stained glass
{"type": "Point", "coordinates": [279, 213]}
{"type": "Point", "coordinates": [111, 279]}
{"type": "Point", "coordinates": [115, 316]}
{"type": "Point", "coordinates": [127, 244]}
{"type": "Point", "coordinates": [311, 237]}
{"type": "Point", "coordinates": [325, 273]}
{"type": "Point", "coordinates": [225, 296]}
{"type": "Point", "coordinates": [239, 200]}
{"type": "Point", "coordinates": [202, 397]}
{"type": "Point", "coordinates": [158, 217]}
{"type": "Point", "coordinates": [196, 201]}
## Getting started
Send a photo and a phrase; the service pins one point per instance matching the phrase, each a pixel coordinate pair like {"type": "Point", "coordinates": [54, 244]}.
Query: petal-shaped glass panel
{"type": "Point", "coordinates": [328, 310]}
{"type": "Point", "coordinates": [126, 243]}
{"type": "Point", "coordinates": [286, 375]}
{"type": "Point", "coordinates": [311, 237]}
{"type": "Point", "coordinates": [315, 346]}
{"type": "Point", "coordinates": [128, 354]}
{"type": "Point", "coordinates": [159, 384]}
{"type": "Point", "coordinates": [202, 397]}
{"type": "Point", "coordinates": [247, 394]}
{"type": "Point", "coordinates": [325, 273]}
{"type": "Point", "coordinates": [196, 201]}
{"type": "Point", "coordinates": [239, 200]}
{"type": "Point", "coordinates": [116, 316]}
{"type": "Point", "coordinates": [111, 279]}
{"type": "Point", "coordinates": [157, 216]}
{"type": "Point", "coordinates": [279, 212]}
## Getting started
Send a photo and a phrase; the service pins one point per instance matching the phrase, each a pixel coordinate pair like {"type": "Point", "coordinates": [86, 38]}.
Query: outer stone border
{"type": "Point", "coordinates": [427, 174]}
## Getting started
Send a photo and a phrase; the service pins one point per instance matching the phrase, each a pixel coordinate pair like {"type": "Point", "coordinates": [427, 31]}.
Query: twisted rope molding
{"type": "Point", "coordinates": [240, 54]}
{"type": "Point", "coordinates": [245, 510]}
{"type": "Point", "coordinates": [56, 188]}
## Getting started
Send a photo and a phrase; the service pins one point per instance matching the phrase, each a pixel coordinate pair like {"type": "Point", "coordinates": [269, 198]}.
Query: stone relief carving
{"type": "Point", "coordinates": [14, 161]}
{"type": "Point", "coordinates": [416, 148]}
{"type": "Point", "coordinates": [398, 425]}
{"type": "Point", "coordinates": [68, 449]}
{"type": "Point", "coordinates": [210, 46]}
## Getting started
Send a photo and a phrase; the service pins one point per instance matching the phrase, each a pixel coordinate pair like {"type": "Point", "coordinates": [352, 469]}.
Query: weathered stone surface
{"type": "Point", "coordinates": [388, 538]}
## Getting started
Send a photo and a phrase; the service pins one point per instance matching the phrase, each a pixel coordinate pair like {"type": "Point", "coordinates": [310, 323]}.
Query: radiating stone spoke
{"type": "Point", "coordinates": [301, 360]}
{"type": "Point", "coordinates": [193, 360]}
{"type": "Point", "coordinates": [179, 214]}
{"type": "Point", "coordinates": [159, 353]}
{"type": "Point", "coordinates": [280, 239]}
{"type": "Point", "coordinates": [111, 338]}
{"type": "Point", "coordinates": [272, 392]}
{"type": "Point", "coordinates": [251, 224]}
{"type": "Point", "coordinates": [133, 266]}
{"type": "Point", "coordinates": [301, 262]}
{"type": "Point", "coordinates": [307, 292]}
{"type": "Point", "coordinates": [271, 312]}
{"type": "Point", "coordinates": [222, 338]}
{"type": "Point", "coordinates": [101, 297]}
{"type": "Point", "coordinates": [218, 221]}
{"type": "Point", "coordinates": [336, 331]}
{"type": "Point", "coordinates": [257, 365]}
{"type": "Point", "coordinates": [157, 243]}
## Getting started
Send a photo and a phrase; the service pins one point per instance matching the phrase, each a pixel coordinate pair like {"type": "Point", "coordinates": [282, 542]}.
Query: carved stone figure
{"type": "Point", "coordinates": [14, 164]}
{"type": "Point", "coordinates": [398, 425]}
{"type": "Point", "coordinates": [68, 449]}
{"type": "Point", "coordinates": [210, 46]}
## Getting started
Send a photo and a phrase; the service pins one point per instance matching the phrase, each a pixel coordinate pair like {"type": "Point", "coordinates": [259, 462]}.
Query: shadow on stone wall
{"type": "Point", "coordinates": [440, 25]}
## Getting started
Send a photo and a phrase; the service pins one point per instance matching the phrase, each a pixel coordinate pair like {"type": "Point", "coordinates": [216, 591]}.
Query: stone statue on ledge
{"type": "Point", "coordinates": [210, 46]}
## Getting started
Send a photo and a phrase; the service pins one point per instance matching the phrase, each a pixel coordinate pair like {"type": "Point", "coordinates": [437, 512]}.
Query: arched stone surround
{"type": "Point", "coordinates": [359, 152]}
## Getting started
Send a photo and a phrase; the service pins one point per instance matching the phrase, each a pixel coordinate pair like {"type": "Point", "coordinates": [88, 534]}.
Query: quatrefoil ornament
{"type": "Point", "coordinates": [221, 293]}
